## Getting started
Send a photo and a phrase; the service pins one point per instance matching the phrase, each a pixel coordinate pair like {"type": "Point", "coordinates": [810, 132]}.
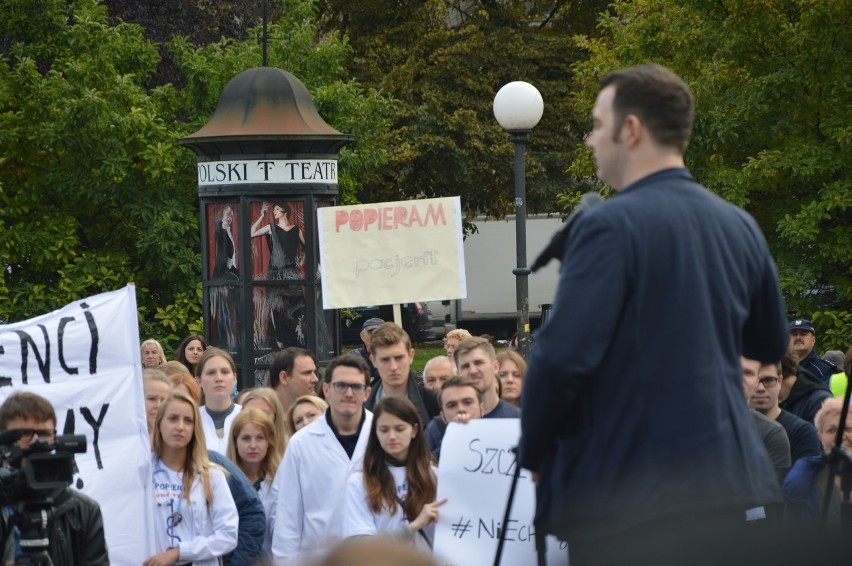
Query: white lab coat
{"type": "Point", "coordinates": [213, 442]}
{"type": "Point", "coordinates": [204, 534]}
{"type": "Point", "coordinates": [268, 497]}
{"type": "Point", "coordinates": [311, 491]}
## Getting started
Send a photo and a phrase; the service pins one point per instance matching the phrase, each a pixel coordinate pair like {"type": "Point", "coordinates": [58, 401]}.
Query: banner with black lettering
{"type": "Point", "coordinates": [84, 358]}
{"type": "Point", "coordinates": [475, 475]}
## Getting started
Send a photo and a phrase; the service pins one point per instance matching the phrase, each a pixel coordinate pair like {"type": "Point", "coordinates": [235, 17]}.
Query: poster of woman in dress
{"type": "Point", "coordinates": [223, 238]}
{"type": "Point", "coordinates": [278, 254]}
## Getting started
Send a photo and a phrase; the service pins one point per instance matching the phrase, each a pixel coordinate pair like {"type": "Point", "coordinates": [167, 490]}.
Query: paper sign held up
{"type": "Point", "coordinates": [475, 475]}
{"type": "Point", "coordinates": [392, 252]}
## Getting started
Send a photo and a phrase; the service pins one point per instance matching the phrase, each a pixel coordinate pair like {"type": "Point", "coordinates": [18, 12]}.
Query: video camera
{"type": "Point", "coordinates": [29, 480]}
{"type": "Point", "coordinates": [38, 470]}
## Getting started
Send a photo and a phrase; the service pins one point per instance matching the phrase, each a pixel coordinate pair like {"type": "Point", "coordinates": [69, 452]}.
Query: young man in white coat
{"type": "Point", "coordinates": [319, 459]}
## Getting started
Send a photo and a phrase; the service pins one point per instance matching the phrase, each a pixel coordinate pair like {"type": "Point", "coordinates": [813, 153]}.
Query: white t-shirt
{"type": "Point", "coordinates": [202, 533]}
{"type": "Point", "coordinates": [359, 519]}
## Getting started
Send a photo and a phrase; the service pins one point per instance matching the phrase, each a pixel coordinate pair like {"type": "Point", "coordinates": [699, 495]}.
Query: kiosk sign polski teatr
{"type": "Point", "coordinates": [272, 171]}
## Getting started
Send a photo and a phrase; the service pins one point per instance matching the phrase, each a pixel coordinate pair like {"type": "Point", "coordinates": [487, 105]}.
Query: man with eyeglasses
{"type": "Point", "coordinates": [319, 460]}
{"type": "Point", "coordinates": [763, 385]}
{"type": "Point", "coordinates": [76, 529]}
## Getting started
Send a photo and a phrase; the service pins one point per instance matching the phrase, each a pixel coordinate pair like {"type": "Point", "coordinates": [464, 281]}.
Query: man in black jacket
{"type": "Point", "coordinates": [76, 530]}
{"type": "Point", "coordinates": [802, 393]}
{"type": "Point", "coordinates": [392, 354]}
{"type": "Point", "coordinates": [633, 412]}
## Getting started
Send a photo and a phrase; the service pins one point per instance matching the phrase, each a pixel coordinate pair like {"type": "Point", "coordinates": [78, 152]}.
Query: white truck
{"type": "Point", "coordinates": [490, 257]}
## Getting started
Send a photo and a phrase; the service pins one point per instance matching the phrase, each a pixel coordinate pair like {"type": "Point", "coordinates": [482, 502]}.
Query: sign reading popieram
{"type": "Point", "coordinates": [273, 171]}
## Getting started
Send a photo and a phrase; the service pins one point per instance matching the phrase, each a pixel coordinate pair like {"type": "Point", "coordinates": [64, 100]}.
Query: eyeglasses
{"type": "Point", "coordinates": [341, 387]}
{"type": "Point", "coordinates": [27, 434]}
{"type": "Point", "coordinates": [768, 382]}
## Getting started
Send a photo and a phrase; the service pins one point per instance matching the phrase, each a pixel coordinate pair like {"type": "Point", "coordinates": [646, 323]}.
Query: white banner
{"type": "Point", "coordinates": [475, 475]}
{"type": "Point", "coordinates": [391, 252]}
{"type": "Point", "coordinates": [84, 358]}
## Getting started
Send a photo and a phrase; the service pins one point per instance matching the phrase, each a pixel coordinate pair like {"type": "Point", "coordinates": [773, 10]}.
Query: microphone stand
{"type": "Point", "coordinates": [839, 462]}
{"type": "Point", "coordinates": [501, 538]}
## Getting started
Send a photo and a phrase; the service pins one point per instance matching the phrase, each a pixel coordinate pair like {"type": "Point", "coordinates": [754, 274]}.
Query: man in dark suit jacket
{"type": "Point", "coordinates": [634, 418]}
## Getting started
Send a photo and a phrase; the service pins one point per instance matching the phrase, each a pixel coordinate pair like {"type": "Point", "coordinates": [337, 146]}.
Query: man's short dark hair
{"type": "Point", "coordinates": [284, 361]}
{"type": "Point", "coordinates": [459, 381]}
{"type": "Point", "coordinates": [25, 405]}
{"type": "Point", "coordinates": [658, 97]}
{"type": "Point", "coordinates": [349, 361]}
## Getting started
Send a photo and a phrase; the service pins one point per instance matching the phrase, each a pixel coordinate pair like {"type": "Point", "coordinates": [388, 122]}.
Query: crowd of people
{"type": "Point", "coordinates": [276, 474]}
{"type": "Point", "coordinates": [689, 446]}
{"type": "Point", "coordinates": [279, 474]}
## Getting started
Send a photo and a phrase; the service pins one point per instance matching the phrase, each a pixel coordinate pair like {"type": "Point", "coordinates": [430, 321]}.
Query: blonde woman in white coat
{"type": "Point", "coordinates": [195, 519]}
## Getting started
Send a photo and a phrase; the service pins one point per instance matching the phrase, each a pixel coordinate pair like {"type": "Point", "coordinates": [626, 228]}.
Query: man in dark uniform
{"type": "Point", "coordinates": [634, 418]}
{"type": "Point", "coordinates": [802, 348]}
{"type": "Point", "coordinates": [364, 352]}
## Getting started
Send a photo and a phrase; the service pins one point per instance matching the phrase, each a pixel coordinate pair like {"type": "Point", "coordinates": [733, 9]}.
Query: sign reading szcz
{"type": "Point", "coordinates": [475, 475]}
{"type": "Point", "coordinates": [391, 252]}
{"type": "Point", "coordinates": [273, 171]}
{"type": "Point", "coordinates": [84, 358]}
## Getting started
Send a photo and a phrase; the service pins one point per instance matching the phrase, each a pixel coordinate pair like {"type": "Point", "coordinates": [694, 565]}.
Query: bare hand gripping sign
{"type": "Point", "coordinates": [475, 475]}
{"type": "Point", "coordinates": [84, 358]}
{"type": "Point", "coordinates": [392, 252]}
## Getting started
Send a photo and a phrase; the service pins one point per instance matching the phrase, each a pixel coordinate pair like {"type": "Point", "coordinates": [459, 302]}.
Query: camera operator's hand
{"type": "Point", "coordinates": [166, 558]}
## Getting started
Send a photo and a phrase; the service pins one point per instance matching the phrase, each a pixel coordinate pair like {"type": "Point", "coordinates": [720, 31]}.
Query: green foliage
{"type": "Point", "coordinates": [91, 198]}
{"type": "Point", "coordinates": [297, 46]}
{"type": "Point", "coordinates": [444, 64]}
{"type": "Point", "coordinates": [772, 133]}
{"type": "Point", "coordinates": [95, 191]}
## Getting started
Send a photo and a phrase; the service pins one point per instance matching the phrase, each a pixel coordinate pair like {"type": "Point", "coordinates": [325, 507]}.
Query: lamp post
{"type": "Point", "coordinates": [518, 107]}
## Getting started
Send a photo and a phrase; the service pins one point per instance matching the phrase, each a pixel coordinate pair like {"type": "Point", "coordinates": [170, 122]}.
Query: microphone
{"type": "Point", "coordinates": [556, 247]}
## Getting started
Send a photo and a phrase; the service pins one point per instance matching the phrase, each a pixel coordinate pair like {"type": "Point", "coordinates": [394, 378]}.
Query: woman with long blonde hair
{"type": "Point", "coordinates": [265, 399]}
{"type": "Point", "coordinates": [253, 447]}
{"type": "Point", "coordinates": [194, 514]}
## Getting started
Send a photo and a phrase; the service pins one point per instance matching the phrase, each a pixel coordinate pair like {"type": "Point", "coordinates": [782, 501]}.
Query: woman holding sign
{"type": "Point", "coordinates": [395, 492]}
{"type": "Point", "coordinates": [195, 516]}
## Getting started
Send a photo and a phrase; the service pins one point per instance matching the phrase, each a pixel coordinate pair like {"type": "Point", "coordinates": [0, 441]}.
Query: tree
{"type": "Point", "coordinates": [88, 198]}
{"type": "Point", "coordinates": [445, 62]}
{"type": "Point", "coordinates": [772, 130]}
{"type": "Point", "coordinates": [316, 58]}
{"type": "Point", "coordinates": [95, 191]}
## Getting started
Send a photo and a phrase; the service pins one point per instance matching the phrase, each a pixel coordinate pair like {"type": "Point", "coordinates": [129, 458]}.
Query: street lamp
{"type": "Point", "coordinates": [518, 107]}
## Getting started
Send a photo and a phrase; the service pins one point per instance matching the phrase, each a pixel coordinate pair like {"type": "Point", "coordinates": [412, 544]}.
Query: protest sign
{"type": "Point", "coordinates": [392, 252]}
{"type": "Point", "coordinates": [475, 475]}
{"type": "Point", "coordinates": [84, 358]}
